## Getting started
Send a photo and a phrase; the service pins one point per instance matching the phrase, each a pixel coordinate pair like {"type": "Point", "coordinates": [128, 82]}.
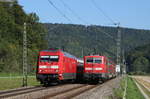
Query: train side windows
{"type": "Point", "coordinates": [109, 63]}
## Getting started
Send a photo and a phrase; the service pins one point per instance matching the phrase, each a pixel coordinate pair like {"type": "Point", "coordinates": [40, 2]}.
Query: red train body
{"type": "Point", "coordinates": [98, 68]}
{"type": "Point", "coordinates": [56, 65]}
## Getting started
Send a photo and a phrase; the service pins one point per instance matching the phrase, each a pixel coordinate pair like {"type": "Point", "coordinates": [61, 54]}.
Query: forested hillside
{"type": "Point", "coordinates": [138, 60]}
{"type": "Point", "coordinates": [12, 18]}
{"type": "Point", "coordinates": [91, 39]}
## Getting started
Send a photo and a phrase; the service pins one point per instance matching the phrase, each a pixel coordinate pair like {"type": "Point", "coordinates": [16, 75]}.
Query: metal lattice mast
{"type": "Point", "coordinates": [118, 49]}
{"type": "Point", "coordinates": [124, 62]}
{"type": "Point", "coordinates": [24, 56]}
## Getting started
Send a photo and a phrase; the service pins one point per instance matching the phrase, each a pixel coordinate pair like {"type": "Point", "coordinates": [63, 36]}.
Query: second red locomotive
{"type": "Point", "coordinates": [98, 68]}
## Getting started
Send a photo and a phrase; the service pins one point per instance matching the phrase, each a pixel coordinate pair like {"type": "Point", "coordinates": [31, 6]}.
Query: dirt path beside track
{"type": "Point", "coordinates": [144, 80]}
{"type": "Point", "coordinates": [143, 83]}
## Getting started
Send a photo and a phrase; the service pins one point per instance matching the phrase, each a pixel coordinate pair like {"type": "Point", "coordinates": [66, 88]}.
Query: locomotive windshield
{"type": "Point", "coordinates": [54, 58]}
{"type": "Point", "coordinates": [93, 60]}
{"type": "Point", "coordinates": [49, 58]}
{"type": "Point", "coordinates": [44, 58]}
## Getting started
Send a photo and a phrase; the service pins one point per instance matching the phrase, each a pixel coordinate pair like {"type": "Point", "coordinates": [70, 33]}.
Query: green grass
{"type": "Point", "coordinates": [118, 93]}
{"type": "Point", "coordinates": [4, 74]}
{"type": "Point", "coordinates": [132, 90]}
{"type": "Point", "coordinates": [9, 74]}
{"type": "Point", "coordinates": [10, 83]}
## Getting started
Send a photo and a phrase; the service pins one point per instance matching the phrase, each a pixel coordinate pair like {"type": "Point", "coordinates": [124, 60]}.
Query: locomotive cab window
{"type": "Point", "coordinates": [94, 60]}
{"type": "Point", "coordinates": [44, 58]}
{"type": "Point", "coordinates": [54, 58]}
{"type": "Point", "coordinates": [89, 60]}
{"type": "Point", "coordinates": [49, 58]}
{"type": "Point", "coordinates": [97, 60]}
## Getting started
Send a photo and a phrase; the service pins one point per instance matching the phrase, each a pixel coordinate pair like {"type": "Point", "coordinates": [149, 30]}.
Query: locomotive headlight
{"type": "Point", "coordinates": [56, 70]}
{"type": "Point", "coordinates": [88, 68]}
{"type": "Point", "coordinates": [98, 68]}
{"type": "Point", "coordinates": [40, 70]}
{"type": "Point", "coordinates": [42, 66]}
{"type": "Point", "coordinates": [55, 66]}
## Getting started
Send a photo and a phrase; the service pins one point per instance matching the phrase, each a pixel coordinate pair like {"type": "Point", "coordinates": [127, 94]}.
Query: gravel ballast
{"type": "Point", "coordinates": [103, 91]}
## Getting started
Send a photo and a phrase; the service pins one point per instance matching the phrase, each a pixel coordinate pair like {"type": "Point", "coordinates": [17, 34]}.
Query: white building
{"type": "Point", "coordinates": [118, 68]}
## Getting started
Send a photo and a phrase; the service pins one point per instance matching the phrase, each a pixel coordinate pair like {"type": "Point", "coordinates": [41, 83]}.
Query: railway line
{"type": "Point", "coordinates": [62, 91]}
{"type": "Point", "coordinates": [45, 92]}
{"type": "Point", "coordinates": [70, 93]}
{"type": "Point", "coordinates": [24, 90]}
{"type": "Point", "coordinates": [15, 92]}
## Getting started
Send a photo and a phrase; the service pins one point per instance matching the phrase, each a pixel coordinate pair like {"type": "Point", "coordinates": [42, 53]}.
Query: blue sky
{"type": "Point", "coordinates": [130, 13]}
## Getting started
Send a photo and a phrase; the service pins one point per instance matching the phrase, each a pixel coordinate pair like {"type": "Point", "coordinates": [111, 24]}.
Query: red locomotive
{"type": "Point", "coordinates": [56, 65]}
{"type": "Point", "coordinates": [98, 68]}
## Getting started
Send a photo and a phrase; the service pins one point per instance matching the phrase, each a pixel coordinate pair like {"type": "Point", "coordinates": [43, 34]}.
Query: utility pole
{"type": "Point", "coordinates": [96, 44]}
{"type": "Point", "coordinates": [118, 67]}
{"type": "Point", "coordinates": [24, 83]}
{"type": "Point", "coordinates": [82, 52]}
{"type": "Point", "coordinates": [124, 63]}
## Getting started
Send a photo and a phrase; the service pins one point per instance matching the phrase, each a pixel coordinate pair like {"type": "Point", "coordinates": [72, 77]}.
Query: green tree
{"type": "Point", "coordinates": [12, 18]}
{"type": "Point", "coordinates": [141, 64]}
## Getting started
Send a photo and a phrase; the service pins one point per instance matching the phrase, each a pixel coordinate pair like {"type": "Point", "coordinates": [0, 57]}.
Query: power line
{"type": "Point", "coordinates": [59, 11]}
{"type": "Point", "coordinates": [106, 33]}
{"type": "Point", "coordinates": [101, 11]}
{"type": "Point", "coordinates": [73, 12]}
{"type": "Point", "coordinates": [75, 15]}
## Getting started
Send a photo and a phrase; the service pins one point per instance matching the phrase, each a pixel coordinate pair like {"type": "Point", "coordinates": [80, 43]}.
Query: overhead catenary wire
{"type": "Point", "coordinates": [109, 18]}
{"type": "Point", "coordinates": [73, 12]}
{"type": "Point", "coordinates": [63, 15]}
{"type": "Point", "coordinates": [79, 18]}
{"type": "Point", "coordinates": [59, 11]}
{"type": "Point", "coordinates": [102, 11]}
{"type": "Point", "coordinates": [106, 33]}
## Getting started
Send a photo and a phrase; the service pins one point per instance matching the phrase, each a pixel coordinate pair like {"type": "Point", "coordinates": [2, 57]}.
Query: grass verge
{"type": "Point", "coordinates": [10, 83]}
{"type": "Point", "coordinates": [132, 91]}
{"type": "Point", "coordinates": [118, 93]}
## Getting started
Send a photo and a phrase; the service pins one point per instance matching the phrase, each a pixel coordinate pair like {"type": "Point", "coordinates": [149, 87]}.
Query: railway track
{"type": "Point", "coordinates": [24, 90]}
{"type": "Point", "coordinates": [63, 91]}
{"type": "Point", "coordinates": [14, 92]}
{"type": "Point", "coordinates": [69, 93]}
{"type": "Point", "coordinates": [26, 93]}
